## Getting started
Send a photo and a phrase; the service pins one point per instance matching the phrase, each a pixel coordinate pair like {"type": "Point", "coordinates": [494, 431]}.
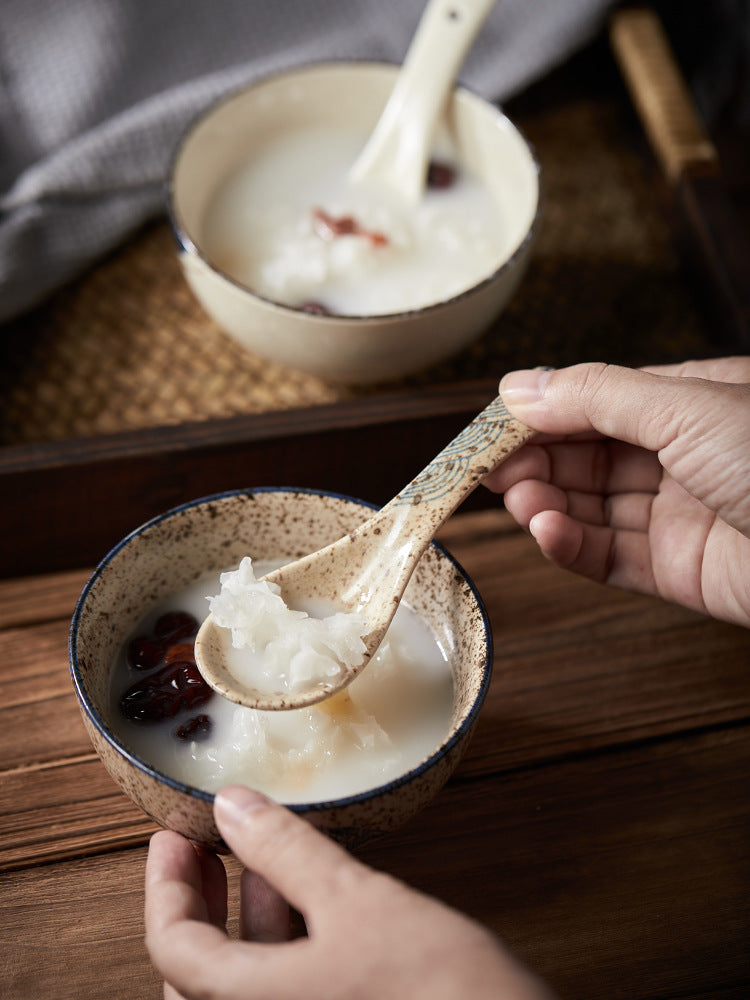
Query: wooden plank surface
{"type": "Point", "coordinates": [618, 877]}
{"type": "Point", "coordinates": [598, 822]}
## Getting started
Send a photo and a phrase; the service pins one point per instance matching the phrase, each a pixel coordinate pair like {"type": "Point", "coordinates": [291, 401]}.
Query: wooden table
{"type": "Point", "coordinates": [598, 822]}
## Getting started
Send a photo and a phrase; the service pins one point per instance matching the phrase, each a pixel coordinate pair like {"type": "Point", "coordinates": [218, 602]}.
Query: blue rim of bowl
{"type": "Point", "coordinates": [187, 245]}
{"type": "Point", "coordinates": [303, 807]}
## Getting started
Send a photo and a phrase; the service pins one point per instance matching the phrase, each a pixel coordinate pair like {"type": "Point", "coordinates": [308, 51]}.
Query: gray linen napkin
{"type": "Point", "coordinates": [95, 93]}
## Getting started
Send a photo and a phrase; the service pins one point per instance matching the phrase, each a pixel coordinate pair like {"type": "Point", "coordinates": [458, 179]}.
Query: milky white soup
{"type": "Point", "coordinates": [290, 226]}
{"type": "Point", "coordinates": [388, 720]}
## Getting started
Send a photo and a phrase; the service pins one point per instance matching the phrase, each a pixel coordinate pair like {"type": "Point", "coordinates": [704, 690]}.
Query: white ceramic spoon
{"type": "Point", "coordinates": [398, 151]}
{"type": "Point", "coordinates": [367, 570]}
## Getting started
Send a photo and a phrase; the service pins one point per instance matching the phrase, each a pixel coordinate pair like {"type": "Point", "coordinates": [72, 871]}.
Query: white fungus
{"type": "Point", "coordinates": [280, 649]}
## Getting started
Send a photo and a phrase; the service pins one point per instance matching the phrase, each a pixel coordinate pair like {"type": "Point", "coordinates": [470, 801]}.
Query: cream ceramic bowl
{"type": "Point", "coordinates": [176, 548]}
{"type": "Point", "coordinates": [347, 348]}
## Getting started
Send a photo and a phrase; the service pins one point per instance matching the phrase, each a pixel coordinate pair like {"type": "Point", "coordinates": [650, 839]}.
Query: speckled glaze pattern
{"type": "Point", "coordinates": [213, 534]}
{"type": "Point", "coordinates": [490, 438]}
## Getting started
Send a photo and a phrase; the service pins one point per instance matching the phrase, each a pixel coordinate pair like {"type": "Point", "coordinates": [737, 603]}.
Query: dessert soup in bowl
{"type": "Point", "coordinates": [355, 766]}
{"type": "Point", "coordinates": [336, 278]}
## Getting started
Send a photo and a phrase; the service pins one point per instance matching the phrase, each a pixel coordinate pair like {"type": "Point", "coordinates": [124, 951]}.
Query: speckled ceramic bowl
{"type": "Point", "coordinates": [352, 348]}
{"type": "Point", "coordinates": [173, 550]}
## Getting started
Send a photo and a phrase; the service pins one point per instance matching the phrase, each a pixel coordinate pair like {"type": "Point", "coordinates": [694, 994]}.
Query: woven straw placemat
{"type": "Point", "coordinates": [128, 347]}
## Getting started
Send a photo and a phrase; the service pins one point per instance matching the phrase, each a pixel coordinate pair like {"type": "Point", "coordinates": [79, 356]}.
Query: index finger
{"type": "Point", "coordinates": [602, 466]}
{"type": "Point", "coordinates": [175, 903]}
{"type": "Point", "coordinates": [644, 409]}
{"type": "Point", "coordinates": [305, 866]}
{"type": "Point", "coordinates": [194, 956]}
{"type": "Point", "coordinates": [734, 369]}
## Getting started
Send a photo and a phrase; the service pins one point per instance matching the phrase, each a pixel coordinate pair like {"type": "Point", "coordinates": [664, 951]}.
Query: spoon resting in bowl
{"type": "Point", "coordinates": [367, 571]}
{"type": "Point", "coordinates": [397, 153]}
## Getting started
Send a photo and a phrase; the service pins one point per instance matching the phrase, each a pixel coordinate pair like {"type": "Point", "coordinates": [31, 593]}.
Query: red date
{"type": "Point", "coordinates": [315, 307]}
{"type": "Point", "coordinates": [174, 683]}
{"type": "Point", "coordinates": [440, 175]}
{"type": "Point", "coordinates": [328, 227]}
{"type": "Point", "coordinates": [198, 728]}
{"type": "Point", "coordinates": [172, 688]}
{"type": "Point", "coordinates": [180, 651]}
{"type": "Point", "coordinates": [147, 651]}
{"type": "Point", "coordinates": [175, 625]}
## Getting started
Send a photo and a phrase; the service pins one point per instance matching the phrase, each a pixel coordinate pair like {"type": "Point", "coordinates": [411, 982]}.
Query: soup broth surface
{"type": "Point", "coordinates": [291, 226]}
{"type": "Point", "coordinates": [386, 722]}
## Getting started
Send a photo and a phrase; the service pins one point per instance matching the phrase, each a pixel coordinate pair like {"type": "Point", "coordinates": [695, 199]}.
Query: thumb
{"type": "Point", "coordinates": [699, 428]}
{"type": "Point", "coordinates": [302, 864]}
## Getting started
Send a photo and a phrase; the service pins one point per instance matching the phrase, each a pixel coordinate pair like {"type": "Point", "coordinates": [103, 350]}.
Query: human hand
{"type": "Point", "coordinates": [641, 479]}
{"type": "Point", "coordinates": [369, 936]}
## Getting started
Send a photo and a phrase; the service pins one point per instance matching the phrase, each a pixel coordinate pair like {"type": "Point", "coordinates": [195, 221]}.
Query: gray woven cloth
{"type": "Point", "coordinates": [94, 95]}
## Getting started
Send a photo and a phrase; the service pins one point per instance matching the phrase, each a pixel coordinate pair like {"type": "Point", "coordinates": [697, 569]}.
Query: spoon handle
{"type": "Point", "coordinates": [454, 473]}
{"type": "Point", "coordinates": [402, 530]}
{"type": "Point", "coordinates": [398, 149]}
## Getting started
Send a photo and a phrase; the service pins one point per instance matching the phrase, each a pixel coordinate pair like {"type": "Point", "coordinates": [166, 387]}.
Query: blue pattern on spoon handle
{"type": "Point", "coordinates": [490, 437]}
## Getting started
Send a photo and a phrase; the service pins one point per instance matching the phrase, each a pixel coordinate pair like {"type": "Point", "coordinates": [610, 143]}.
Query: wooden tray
{"type": "Point", "coordinates": [64, 504]}
{"type": "Point", "coordinates": [126, 348]}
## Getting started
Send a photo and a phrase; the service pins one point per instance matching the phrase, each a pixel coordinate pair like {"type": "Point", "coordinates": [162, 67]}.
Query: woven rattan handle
{"type": "Point", "coordinates": [662, 99]}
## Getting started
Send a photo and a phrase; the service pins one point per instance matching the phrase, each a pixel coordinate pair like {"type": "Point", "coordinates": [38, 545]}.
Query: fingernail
{"type": "Point", "coordinates": [533, 525]}
{"type": "Point", "coordinates": [524, 388]}
{"type": "Point", "coordinates": [232, 804]}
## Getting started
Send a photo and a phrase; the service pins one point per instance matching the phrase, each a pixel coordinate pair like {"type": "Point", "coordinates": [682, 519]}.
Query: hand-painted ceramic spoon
{"type": "Point", "coordinates": [367, 570]}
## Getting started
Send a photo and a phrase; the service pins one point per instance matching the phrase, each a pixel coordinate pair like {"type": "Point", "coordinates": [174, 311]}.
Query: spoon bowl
{"type": "Point", "coordinates": [367, 570]}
